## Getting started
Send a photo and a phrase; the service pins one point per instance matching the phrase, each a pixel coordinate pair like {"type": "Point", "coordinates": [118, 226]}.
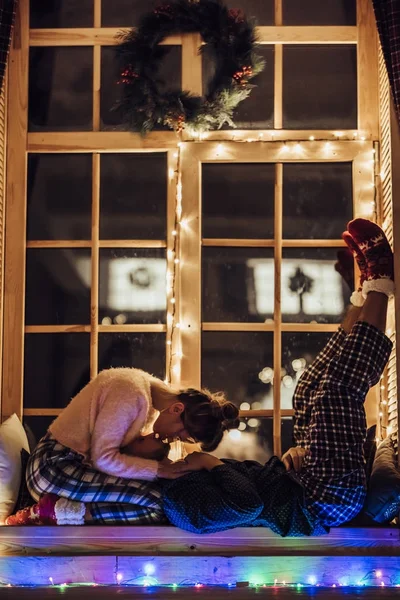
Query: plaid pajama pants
{"type": "Point", "coordinates": [53, 468]}
{"type": "Point", "coordinates": [330, 421]}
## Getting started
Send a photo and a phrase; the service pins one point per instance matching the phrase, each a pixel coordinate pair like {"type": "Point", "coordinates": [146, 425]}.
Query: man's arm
{"type": "Point", "coordinates": [212, 498]}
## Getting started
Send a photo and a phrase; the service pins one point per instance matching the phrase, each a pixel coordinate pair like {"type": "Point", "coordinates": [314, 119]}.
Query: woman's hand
{"type": "Point", "coordinates": [293, 458]}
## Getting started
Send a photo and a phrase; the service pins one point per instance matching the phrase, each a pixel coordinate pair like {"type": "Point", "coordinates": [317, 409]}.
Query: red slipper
{"type": "Point", "coordinates": [41, 513]}
{"type": "Point", "coordinates": [377, 253]}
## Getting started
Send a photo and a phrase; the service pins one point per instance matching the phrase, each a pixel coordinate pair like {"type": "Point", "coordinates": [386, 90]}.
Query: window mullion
{"type": "Point", "coordinates": [94, 297]}
{"type": "Point", "coordinates": [278, 72]}
{"type": "Point", "coordinates": [367, 70]}
{"type": "Point", "coordinates": [277, 308]}
{"type": "Point", "coordinates": [14, 277]}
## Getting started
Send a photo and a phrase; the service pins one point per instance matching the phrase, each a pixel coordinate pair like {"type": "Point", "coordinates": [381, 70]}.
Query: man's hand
{"type": "Point", "coordinates": [172, 470]}
{"type": "Point", "coordinates": [293, 458]}
{"type": "Point", "coordinates": [196, 461]}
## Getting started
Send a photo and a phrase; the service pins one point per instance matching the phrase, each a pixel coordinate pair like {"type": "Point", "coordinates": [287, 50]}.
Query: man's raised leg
{"type": "Point", "coordinates": [307, 385]}
{"type": "Point", "coordinates": [333, 473]}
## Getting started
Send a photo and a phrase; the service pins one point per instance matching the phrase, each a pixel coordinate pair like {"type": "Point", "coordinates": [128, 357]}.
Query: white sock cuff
{"type": "Point", "coordinates": [384, 285]}
{"type": "Point", "coordinates": [357, 299]}
{"type": "Point", "coordinates": [69, 512]}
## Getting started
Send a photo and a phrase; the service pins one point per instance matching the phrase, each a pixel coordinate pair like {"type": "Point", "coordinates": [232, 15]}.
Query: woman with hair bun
{"type": "Point", "coordinates": [81, 458]}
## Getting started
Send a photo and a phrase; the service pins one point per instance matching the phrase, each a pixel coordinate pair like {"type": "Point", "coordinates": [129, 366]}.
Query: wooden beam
{"type": "Point", "coordinates": [102, 244]}
{"type": "Point", "coordinates": [108, 36]}
{"type": "Point", "coordinates": [278, 216]}
{"type": "Point", "coordinates": [276, 135]}
{"type": "Point", "coordinates": [134, 328]}
{"type": "Point", "coordinates": [14, 276]}
{"type": "Point", "coordinates": [85, 36]}
{"type": "Point", "coordinates": [95, 267]}
{"type": "Point", "coordinates": [124, 141]}
{"type": "Point", "coordinates": [101, 141]}
{"type": "Point", "coordinates": [171, 541]}
{"type": "Point", "coordinates": [190, 269]}
{"type": "Point", "coordinates": [286, 327]}
{"type": "Point", "coordinates": [3, 151]}
{"type": "Point", "coordinates": [307, 34]}
{"type": "Point", "coordinates": [248, 243]}
{"type": "Point", "coordinates": [278, 70]}
{"type": "Point", "coordinates": [260, 152]}
{"type": "Point", "coordinates": [42, 412]}
{"type": "Point", "coordinates": [173, 345]}
{"type": "Point", "coordinates": [367, 67]}
{"type": "Point", "coordinates": [191, 63]}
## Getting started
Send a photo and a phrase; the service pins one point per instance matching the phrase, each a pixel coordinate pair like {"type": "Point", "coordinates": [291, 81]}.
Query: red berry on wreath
{"type": "Point", "coordinates": [128, 76]}
{"type": "Point", "coordinates": [237, 15]}
{"type": "Point", "coordinates": [243, 75]}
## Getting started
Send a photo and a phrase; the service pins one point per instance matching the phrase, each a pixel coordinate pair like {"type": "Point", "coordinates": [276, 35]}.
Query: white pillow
{"type": "Point", "coordinates": [12, 440]}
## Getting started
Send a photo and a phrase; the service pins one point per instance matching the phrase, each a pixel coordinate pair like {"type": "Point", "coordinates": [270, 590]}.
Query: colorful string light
{"type": "Point", "coordinates": [374, 578]}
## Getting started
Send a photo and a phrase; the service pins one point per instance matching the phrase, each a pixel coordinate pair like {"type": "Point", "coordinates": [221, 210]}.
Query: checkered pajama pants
{"type": "Point", "coordinates": [53, 468]}
{"type": "Point", "coordinates": [330, 421]}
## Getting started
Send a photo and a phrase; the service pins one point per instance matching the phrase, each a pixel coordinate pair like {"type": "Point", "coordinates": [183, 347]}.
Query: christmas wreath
{"type": "Point", "coordinates": [232, 41]}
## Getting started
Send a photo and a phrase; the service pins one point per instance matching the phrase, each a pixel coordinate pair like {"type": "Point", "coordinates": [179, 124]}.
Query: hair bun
{"type": "Point", "coordinates": [227, 413]}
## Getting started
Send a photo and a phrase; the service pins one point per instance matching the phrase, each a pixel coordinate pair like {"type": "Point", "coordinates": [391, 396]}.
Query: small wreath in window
{"type": "Point", "coordinates": [232, 41]}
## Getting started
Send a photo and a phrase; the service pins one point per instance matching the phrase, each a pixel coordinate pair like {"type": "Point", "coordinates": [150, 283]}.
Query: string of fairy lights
{"type": "Point", "coordinates": [174, 352]}
{"type": "Point", "coordinates": [373, 578]}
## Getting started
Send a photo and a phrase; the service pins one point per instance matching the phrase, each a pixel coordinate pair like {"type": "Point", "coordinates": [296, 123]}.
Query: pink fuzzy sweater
{"type": "Point", "coordinates": [108, 413]}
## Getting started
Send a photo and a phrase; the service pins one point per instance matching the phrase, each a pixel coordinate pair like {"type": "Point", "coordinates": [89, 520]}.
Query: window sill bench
{"type": "Point", "coordinates": [171, 541]}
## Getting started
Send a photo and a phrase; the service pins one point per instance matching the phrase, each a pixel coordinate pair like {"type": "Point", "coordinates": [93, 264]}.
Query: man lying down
{"type": "Point", "coordinates": [320, 483]}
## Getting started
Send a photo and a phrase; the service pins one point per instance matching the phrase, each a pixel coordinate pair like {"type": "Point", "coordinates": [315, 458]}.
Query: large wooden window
{"type": "Point", "coordinates": [207, 261]}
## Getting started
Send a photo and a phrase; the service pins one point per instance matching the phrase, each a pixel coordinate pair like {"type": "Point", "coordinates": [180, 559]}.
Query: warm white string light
{"type": "Point", "coordinates": [174, 356]}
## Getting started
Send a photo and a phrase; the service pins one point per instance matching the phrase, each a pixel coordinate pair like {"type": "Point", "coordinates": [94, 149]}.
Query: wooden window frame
{"type": "Point", "coordinates": [194, 155]}
{"type": "Point", "coordinates": [348, 143]}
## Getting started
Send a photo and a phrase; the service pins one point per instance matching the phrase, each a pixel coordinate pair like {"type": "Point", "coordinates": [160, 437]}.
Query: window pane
{"type": "Point", "coordinates": [133, 196]}
{"type": "Point", "coordinates": [132, 286]}
{"type": "Point", "coordinates": [139, 350]}
{"type": "Point", "coordinates": [53, 13]}
{"type": "Point", "coordinates": [60, 89]}
{"type": "Point", "coordinates": [260, 10]}
{"type": "Point", "coordinates": [38, 426]}
{"type": "Point", "coordinates": [57, 366]}
{"type": "Point", "coordinates": [312, 290]}
{"type": "Point", "coordinates": [298, 352]}
{"type": "Point", "coordinates": [254, 440]}
{"type": "Point", "coordinates": [58, 283]}
{"type": "Point", "coordinates": [169, 77]}
{"type": "Point", "coordinates": [315, 12]}
{"type": "Point", "coordinates": [59, 196]}
{"type": "Point", "coordinates": [233, 362]}
{"type": "Point", "coordinates": [317, 200]}
{"type": "Point", "coordinates": [238, 284]}
{"type": "Point", "coordinates": [127, 12]}
{"type": "Point", "coordinates": [312, 77]}
{"type": "Point", "coordinates": [238, 200]}
{"type": "Point", "coordinates": [257, 111]}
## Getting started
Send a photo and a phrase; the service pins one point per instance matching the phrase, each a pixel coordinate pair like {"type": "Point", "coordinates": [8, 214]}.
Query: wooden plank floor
{"type": "Point", "coordinates": [108, 593]}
